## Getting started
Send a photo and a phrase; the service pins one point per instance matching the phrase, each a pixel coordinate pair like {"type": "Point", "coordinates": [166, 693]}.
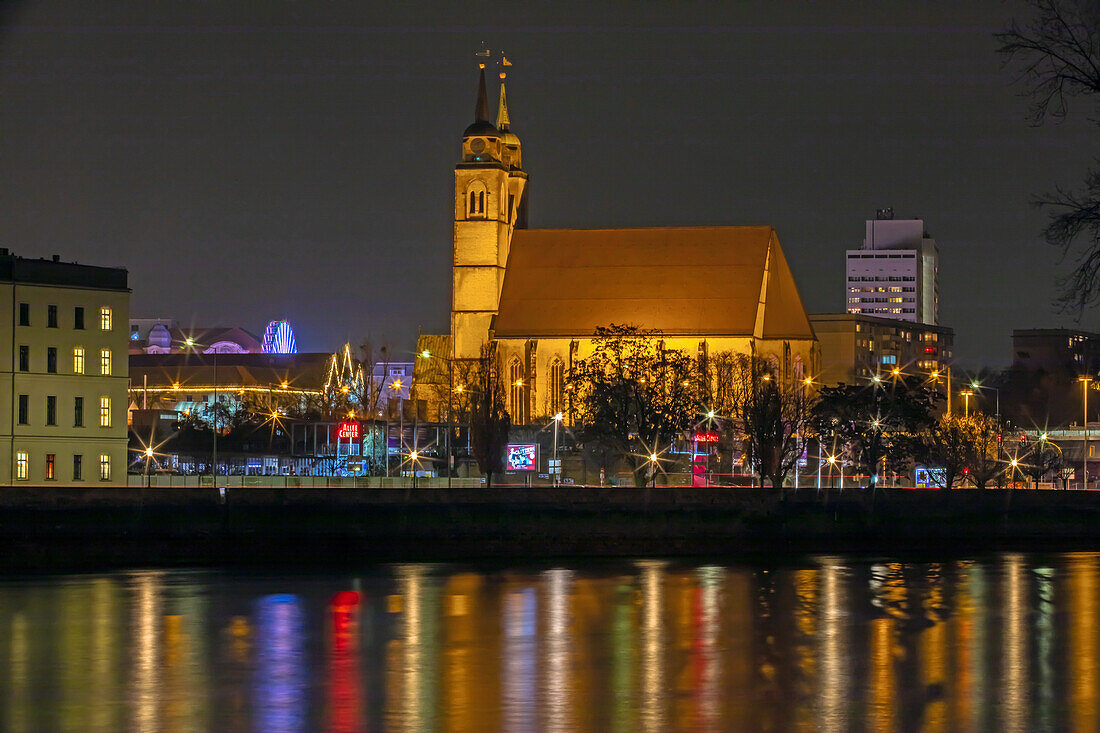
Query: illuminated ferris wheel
{"type": "Point", "coordinates": [279, 339]}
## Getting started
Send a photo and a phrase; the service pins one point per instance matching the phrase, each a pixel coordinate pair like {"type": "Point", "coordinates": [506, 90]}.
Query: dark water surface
{"type": "Point", "coordinates": [1007, 642]}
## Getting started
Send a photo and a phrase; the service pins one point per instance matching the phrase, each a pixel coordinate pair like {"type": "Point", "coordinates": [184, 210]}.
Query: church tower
{"type": "Point", "coordinates": [489, 205]}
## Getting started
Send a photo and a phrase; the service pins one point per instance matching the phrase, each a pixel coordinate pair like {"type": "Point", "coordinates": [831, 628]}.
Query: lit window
{"type": "Point", "coordinates": [105, 319]}
{"type": "Point", "coordinates": [49, 466]}
{"type": "Point", "coordinates": [78, 360]}
{"type": "Point", "coordinates": [104, 412]}
{"type": "Point", "coordinates": [105, 362]}
{"type": "Point", "coordinates": [21, 466]}
{"type": "Point", "coordinates": [104, 467]}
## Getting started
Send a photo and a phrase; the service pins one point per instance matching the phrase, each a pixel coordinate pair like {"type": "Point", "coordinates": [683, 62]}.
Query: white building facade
{"type": "Point", "coordinates": [63, 372]}
{"type": "Point", "coordinates": [895, 273]}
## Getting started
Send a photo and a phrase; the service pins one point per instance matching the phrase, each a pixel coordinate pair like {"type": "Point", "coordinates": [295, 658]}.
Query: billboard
{"type": "Point", "coordinates": [347, 431]}
{"type": "Point", "coordinates": [522, 457]}
{"type": "Point", "coordinates": [929, 478]}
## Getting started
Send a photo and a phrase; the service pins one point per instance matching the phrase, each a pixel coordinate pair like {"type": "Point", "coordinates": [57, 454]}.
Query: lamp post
{"type": "Point", "coordinates": [214, 469]}
{"type": "Point", "coordinates": [832, 463]}
{"type": "Point", "coordinates": [966, 396]}
{"type": "Point", "coordinates": [148, 457]}
{"type": "Point", "coordinates": [1085, 453]}
{"type": "Point", "coordinates": [557, 466]}
{"type": "Point", "coordinates": [977, 386]}
{"type": "Point", "coordinates": [427, 354]}
{"type": "Point", "coordinates": [653, 468]}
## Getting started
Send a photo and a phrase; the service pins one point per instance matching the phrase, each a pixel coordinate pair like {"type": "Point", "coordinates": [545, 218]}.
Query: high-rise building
{"type": "Point", "coordinates": [894, 274]}
{"type": "Point", "coordinates": [63, 372]}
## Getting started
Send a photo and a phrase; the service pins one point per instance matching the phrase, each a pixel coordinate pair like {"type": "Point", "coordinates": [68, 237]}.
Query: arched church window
{"type": "Point", "coordinates": [515, 386]}
{"type": "Point", "coordinates": [476, 196]}
{"type": "Point", "coordinates": [557, 386]}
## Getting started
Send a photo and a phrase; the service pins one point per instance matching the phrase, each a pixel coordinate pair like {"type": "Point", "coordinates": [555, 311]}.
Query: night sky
{"type": "Point", "coordinates": [254, 160]}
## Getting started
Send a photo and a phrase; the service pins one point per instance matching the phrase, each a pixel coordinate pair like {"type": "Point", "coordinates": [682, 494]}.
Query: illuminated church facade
{"type": "Point", "coordinates": [538, 295]}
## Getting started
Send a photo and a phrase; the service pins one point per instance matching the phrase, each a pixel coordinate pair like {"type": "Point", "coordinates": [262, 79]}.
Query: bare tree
{"type": "Point", "coordinates": [1056, 54]}
{"type": "Point", "coordinates": [489, 422]}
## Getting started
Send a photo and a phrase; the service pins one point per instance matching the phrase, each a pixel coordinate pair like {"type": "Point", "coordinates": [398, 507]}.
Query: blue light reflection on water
{"type": "Point", "coordinates": [1006, 642]}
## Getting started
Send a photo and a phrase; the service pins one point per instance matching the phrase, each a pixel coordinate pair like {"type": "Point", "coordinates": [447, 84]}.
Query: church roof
{"type": "Point", "coordinates": [706, 281]}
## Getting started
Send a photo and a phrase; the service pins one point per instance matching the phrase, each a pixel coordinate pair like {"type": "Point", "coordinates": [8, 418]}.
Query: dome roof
{"type": "Point", "coordinates": [509, 138]}
{"type": "Point", "coordinates": [481, 128]}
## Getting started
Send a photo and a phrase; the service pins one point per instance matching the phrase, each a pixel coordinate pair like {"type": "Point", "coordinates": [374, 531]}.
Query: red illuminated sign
{"type": "Point", "coordinates": [348, 431]}
{"type": "Point", "coordinates": [930, 349]}
{"type": "Point", "coordinates": [706, 437]}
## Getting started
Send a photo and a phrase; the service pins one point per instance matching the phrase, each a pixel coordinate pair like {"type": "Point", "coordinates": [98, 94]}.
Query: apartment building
{"type": "Point", "coordinates": [855, 347]}
{"type": "Point", "coordinates": [895, 273]}
{"type": "Point", "coordinates": [63, 372]}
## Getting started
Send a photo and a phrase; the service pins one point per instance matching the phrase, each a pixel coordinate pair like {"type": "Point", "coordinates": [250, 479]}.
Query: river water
{"type": "Point", "coordinates": [1006, 642]}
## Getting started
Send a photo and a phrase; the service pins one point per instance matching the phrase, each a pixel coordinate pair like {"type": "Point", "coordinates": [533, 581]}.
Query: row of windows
{"type": "Point", "coordinates": [22, 466]}
{"type": "Point", "coordinates": [882, 300]}
{"type": "Point", "coordinates": [881, 278]}
{"type": "Point", "coordinates": [872, 311]}
{"type": "Point", "coordinates": [51, 360]}
{"type": "Point", "coordinates": [882, 257]}
{"type": "Point", "coordinates": [23, 411]}
{"type": "Point", "coordinates": [105, 317]}
{"type": "Point", "coordinates": [880, 289]}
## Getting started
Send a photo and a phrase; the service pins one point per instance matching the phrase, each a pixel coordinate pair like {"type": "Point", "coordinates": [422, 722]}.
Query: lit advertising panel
{"type": "Point", "coordinates": [523, 457]}
{"type": "Point", "coordinates": [348, 431]}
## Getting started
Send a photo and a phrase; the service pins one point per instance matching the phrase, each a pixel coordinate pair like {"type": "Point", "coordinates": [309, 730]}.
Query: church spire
{"type": "Point", "coordinates": [481, 114]}
{"type": "Point", "coordinates": [502, 111]}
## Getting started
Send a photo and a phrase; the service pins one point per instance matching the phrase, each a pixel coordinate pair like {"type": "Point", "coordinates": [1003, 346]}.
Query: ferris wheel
{"type": "Point", "coordinates": [279, 339]}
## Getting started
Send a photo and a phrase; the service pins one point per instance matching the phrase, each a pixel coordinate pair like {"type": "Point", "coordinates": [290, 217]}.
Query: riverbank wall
{"type": "Point", "coordinates": [73, 527]}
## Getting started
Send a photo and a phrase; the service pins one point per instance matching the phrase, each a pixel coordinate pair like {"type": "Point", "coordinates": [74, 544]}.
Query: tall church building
{"type": "Point", "coordinates": [489, 206]}
{"type": "Point", "coordinates": [538, 295]}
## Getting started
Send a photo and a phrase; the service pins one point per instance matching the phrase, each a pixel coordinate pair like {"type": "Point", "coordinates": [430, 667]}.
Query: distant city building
{"type": "Point", "coordinates": [164, 336]}
{"type": "Point", "coordinates": [1056, 349]}
{"type": "Point", "coordinates": [894, 275]}
{"type": "Point", "coordinates": [63, 372]}
{"type": "Point", "coordinates": [856, 347]}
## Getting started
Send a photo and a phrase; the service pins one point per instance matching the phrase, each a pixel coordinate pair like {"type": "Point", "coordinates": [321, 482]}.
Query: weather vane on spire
{"type": "Point", "coordinates": [482, 53]}
{"type": "Point", "coordinates": [504, 62]}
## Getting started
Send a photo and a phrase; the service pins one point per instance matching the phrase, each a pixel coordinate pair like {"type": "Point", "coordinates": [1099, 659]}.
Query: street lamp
{"type": "Point", "coordinates": [832, 464]}
{"type": "Point", "coordinates": [979, 387]}
{"type": "Point", "coordinates": [191, 344]}
{"type": "Point", "coordinates": [557, 466]}
{"type": "Point", "coordinates": [966, 396]}
{"type": "Point", "coordinates": [653, 468]}
{"type": "Point", "coordinates": [427, 354]}
{"type": "Point", "coordinates": [148, 457]}
{"type": "Point", "coordinates": [1085, 453]}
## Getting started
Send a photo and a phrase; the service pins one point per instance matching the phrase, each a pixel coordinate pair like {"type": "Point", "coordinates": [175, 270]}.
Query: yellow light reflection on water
{"type": "Point", "coordinates": [145, 692]}
{"type": "Point", "coordinates": [1014, 677]}
{"type": "Point", "coordinates": [1081, 589]}
{"type": "Point", "coordinates": [556, 693]}
{"type": "Point", "coordinates": [834, 684]}
{"type": "Point", "coordinates": [652, 708]}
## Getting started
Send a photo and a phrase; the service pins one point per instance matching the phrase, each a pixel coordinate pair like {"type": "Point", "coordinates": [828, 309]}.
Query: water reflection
{"type": "Point", "coordinates": [828, 644]}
